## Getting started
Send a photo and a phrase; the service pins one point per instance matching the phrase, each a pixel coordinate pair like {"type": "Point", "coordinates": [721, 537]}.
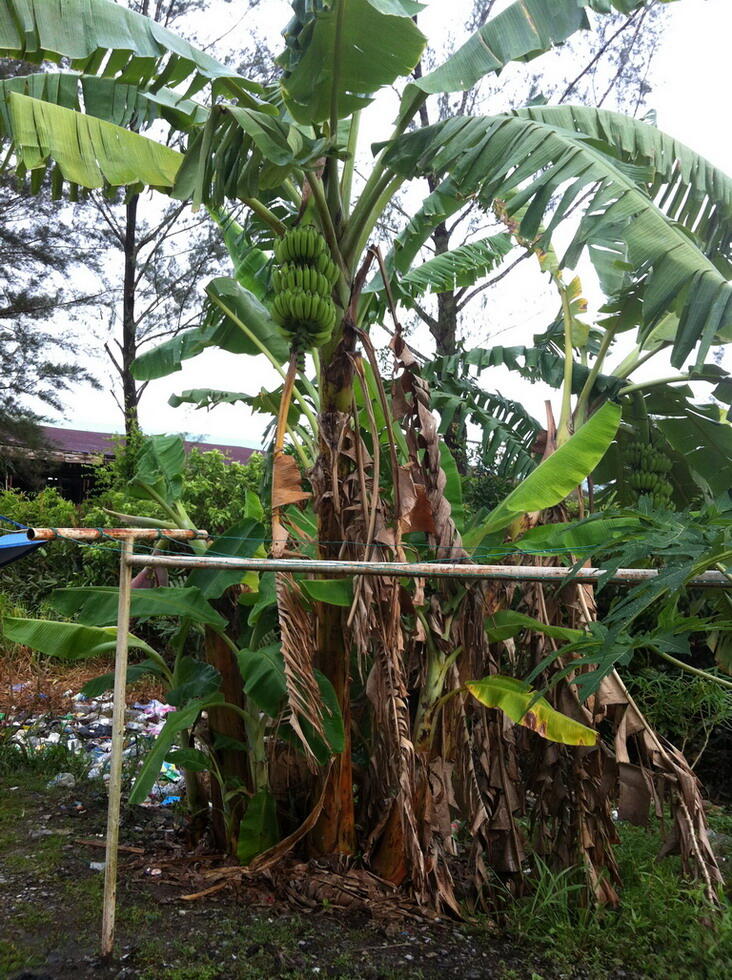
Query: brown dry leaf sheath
{"type": "Point", "coordinates": [286, 482]}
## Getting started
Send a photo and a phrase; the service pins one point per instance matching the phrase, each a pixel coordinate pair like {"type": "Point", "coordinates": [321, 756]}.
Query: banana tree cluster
{"type": "Point", "coordinates": [400, 698]}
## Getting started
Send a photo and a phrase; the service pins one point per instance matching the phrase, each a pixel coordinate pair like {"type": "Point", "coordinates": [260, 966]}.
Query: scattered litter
{"type": "Point", "coordinates": [87, 731]}
{"type": "Point", "coordinates": [65, 780]}
{"type": "Point", "coordinates": [90, 842]}
{"type": "Point", "coordinates": [97, 865]}
{"type": "Point", "coordinates": [45, 832]}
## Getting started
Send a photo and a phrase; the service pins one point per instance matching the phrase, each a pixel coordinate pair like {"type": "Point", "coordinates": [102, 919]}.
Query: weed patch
{"type": "Point", "coordinates": [663, 928]}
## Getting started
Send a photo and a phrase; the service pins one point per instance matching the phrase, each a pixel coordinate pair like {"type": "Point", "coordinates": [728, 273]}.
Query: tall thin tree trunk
{"type": "Point", "coordinates": [444, 332]}
{"type": "Point", "coordinates": [129, 325]}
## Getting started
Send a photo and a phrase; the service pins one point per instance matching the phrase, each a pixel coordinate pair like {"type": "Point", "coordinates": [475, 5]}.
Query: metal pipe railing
{"type": "Point", "coordinates": [115, 533]}
{"type": "Point", "coordinates": [462, 570]}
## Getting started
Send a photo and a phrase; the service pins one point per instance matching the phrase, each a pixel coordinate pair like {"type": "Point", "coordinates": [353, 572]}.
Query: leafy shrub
{"type": "Point", "coordinates": [27, 583]}
{"type": "Point", "coordinates": [214, 490]}
{"type": "Point", "coordinates": [483, 489]}
{"type": "Point", "coordinates": [44, 509]}
{"type": "Point", "coordinates": [214, 495]}
{"type": "Point", "coordinates": [684, 708]}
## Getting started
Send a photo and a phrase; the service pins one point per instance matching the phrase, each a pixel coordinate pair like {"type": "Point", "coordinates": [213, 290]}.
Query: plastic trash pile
{"type": "Point", "coordinates": [88, 728]}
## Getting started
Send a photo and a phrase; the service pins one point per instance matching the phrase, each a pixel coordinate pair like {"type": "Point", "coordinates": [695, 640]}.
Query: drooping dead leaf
{"type": "Point", "coordinates": [416, 510]}
{"type": "Point", "coordinates": [297, 629]}
{"type": "Point", "coordinates": [643, 770]}
{"type": "Point", "coordinates": [634, 802]}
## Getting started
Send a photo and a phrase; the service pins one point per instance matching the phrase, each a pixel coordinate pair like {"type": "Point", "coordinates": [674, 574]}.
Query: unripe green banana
{"type": "Point", "coordinates": [648, 465]}
{"type": "Point", "coordinates": [327, 267]}
{"type": "Point", "coordinates": [302, 281]}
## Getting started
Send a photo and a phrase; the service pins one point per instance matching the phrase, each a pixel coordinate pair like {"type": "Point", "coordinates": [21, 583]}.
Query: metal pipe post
{"type": "Point", "coordinates": [118, 731]}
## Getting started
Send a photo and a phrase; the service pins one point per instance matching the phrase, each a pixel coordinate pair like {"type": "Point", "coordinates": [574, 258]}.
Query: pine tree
{"type": "Point", "coordinates": [43, 250]}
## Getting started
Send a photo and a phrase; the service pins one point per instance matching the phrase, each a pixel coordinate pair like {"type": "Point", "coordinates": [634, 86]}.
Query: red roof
{"type": "Point", "coordinates": [104, 443]}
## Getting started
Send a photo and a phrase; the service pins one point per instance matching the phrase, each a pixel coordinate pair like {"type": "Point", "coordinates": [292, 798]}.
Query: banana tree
{"type": "Point", "coordinates": [412, 669]}
{"type": "Point", "coordinates": [662, 447]}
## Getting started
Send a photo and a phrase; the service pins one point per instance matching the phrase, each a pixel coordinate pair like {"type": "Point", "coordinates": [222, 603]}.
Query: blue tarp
{"type": "Point", "coordinates": [16, 545]}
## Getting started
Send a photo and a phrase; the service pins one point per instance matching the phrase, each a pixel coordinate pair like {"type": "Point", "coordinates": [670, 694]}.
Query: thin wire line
{"type": "Point", "coordinates": [10, 520]}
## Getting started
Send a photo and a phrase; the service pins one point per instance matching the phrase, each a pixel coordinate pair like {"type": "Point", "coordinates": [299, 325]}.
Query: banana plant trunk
{"type": "Point", "coordinates": [233, 764]}
{"type": "Point", "coordinates": [335, 830]}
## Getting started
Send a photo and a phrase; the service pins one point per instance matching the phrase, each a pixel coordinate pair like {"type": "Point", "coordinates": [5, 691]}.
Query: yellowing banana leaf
{"type": "Point", "coordinates": [139, 48]}
{"type": "Point", "coordinates": [519, 701]}
{"type": "Point", "coordinates": [109, 99]}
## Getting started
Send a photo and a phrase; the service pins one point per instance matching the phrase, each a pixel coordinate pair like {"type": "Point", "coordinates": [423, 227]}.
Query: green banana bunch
{"type": "Point", "coordinates": [647, 457]}
{"type": "Point", "coordinates": [306, 319]}
{"type": "Point", "coordinates": [304, 277]}
{"type": "Point", "coordinates": [649, 472]}
{"type": "Point", "coordinates": [303, 281]}
{"type": "Point", "coordinates": [300, 245]}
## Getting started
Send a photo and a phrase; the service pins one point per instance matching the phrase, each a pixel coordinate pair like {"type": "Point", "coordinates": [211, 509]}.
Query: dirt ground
{"type": "Point", "coordinates": [36, 685]}
{"type": "Point", "coordinates": [51, 891]}
{"type": "Point", "coordinates": [51, 911]}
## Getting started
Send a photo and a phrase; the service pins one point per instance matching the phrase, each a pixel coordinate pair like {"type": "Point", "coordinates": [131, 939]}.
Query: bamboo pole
{"type": "Point", "coordinates": [115, 533]}
{"type": "Point", "coordinates": [462, 570]}
{"type": "Point", "coordinates": [118, 730]}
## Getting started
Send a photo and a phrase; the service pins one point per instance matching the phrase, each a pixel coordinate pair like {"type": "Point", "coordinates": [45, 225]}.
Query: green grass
{"type": "Point", "coordinates": [13, 959]}
{"type": "Point", "coordinates": [663, 928]}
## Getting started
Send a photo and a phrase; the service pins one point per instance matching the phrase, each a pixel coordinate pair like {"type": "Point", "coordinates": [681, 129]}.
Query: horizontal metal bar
{"type": "Point", "coordinates": [524, 573]}
{"type": "Point", "coordinates": [117, 533]}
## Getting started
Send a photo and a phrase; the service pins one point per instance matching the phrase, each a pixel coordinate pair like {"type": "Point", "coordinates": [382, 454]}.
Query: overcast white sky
{"type": "Point", "coordinates": [691, 79]}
